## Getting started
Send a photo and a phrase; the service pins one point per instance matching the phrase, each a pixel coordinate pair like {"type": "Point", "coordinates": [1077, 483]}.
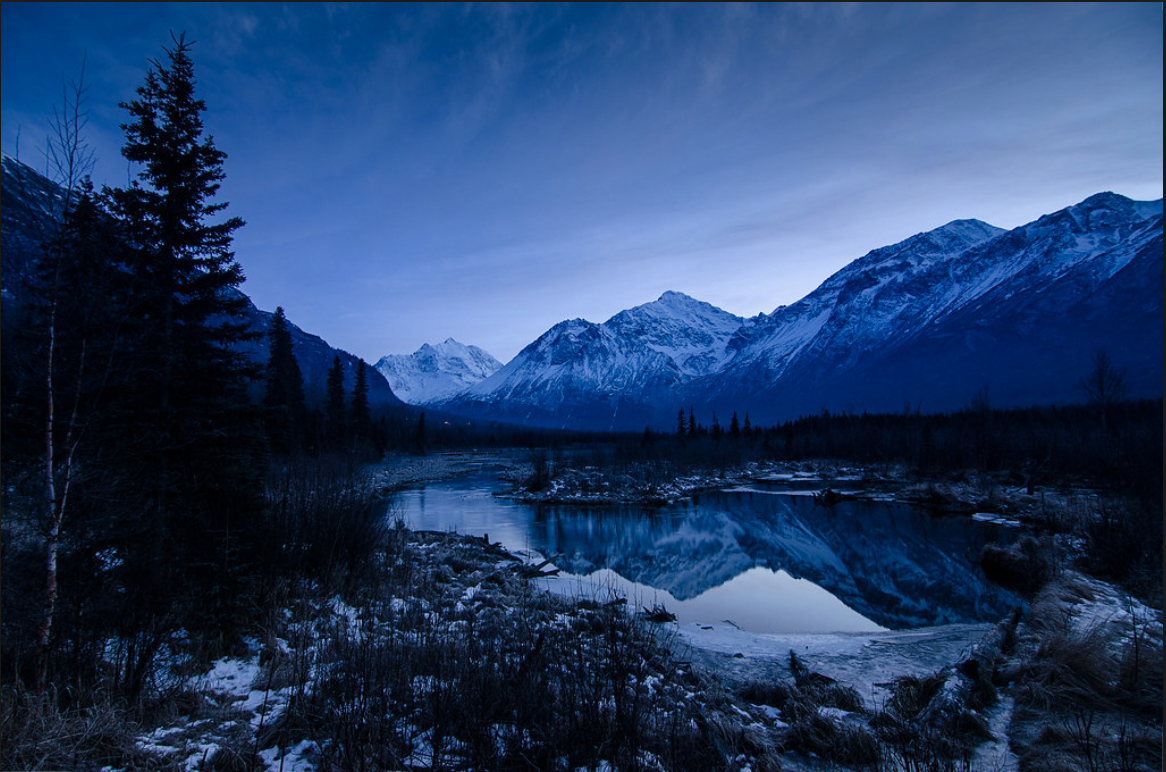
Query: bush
{"type": "Point", "coordinates": [323, 523]}
{"type": "Point", "coordinates": [1123, 543]}
{"type": "Point", "coordinates": [1023, 567]}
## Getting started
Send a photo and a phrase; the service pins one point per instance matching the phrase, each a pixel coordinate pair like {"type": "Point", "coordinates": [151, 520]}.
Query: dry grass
{"type": "Point", "coordinates": [1089, 693]}
{"type": "Point", "coordinates": [41, 735]}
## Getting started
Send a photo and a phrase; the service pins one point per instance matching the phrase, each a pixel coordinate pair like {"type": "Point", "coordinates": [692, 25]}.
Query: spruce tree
{"type": "Point", "coordinates": [335, 414]}
{"type": "Point", "coordinates": [185, 537]}
{"type": "Point", "coordinates": [284, 397]}
{"type": "Point", "coordinates": [361, 419]}
{"type": "Point", "coordinates": [419, 439]}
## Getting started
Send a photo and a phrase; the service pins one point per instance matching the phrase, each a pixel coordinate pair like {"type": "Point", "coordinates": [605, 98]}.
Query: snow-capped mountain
{"type": "Point", "coordinates": [435, 373]}
{"type": "Point", "coordinates": [944, 315]}
{"type": "Point", "coordinates": [603, 376]}
{"type": "Point", "coordinates": [930, 322]}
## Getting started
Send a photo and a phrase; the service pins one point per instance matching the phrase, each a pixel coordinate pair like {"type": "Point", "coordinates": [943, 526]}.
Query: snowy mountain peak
{"type": "Point", "coordinates": [434, 373]}
{"type": "Point", "coordinates": [945, 241]}
{"type": "Point", "coordinates": [1117, 202]}
{"type": "Point", "coordinates": [691, 333]}
{"type": "Point", "coordinates": [960, 234]}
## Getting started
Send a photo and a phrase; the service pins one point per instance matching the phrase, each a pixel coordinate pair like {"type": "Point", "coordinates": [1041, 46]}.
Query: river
{"type": "Point", "coordinates": [762, 559]}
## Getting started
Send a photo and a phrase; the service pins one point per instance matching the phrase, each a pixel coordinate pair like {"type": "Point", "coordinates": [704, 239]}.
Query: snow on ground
{"type": "Point", "coordinates": [995, 755]}
{"type": "Point", "coordinates": [865, 661]}
{"type": "Point", "coordinates": [302, 757]}
{"type": "Point", "coordinates": [229, 677]}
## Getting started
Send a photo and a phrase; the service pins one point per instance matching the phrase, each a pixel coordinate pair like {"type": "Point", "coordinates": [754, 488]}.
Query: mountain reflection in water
{"type": "Point", "coordinates": [768, 561]}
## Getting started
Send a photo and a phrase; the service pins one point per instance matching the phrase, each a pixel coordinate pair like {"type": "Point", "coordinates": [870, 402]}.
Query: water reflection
{"type": "Point", "coordinates": [768, 562]}
{"type": "Point", "coordinates": [759, 600]}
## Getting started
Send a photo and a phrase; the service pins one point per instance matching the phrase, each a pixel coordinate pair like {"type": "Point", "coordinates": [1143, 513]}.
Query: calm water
{"type": "Point", "coordinates": [763, 559]}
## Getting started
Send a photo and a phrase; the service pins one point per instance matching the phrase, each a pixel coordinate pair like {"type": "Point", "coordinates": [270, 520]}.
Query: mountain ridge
{"type": "Point", "coordinates": [935, 319]}
{"type": "Point", "coordinates": [27, 220]}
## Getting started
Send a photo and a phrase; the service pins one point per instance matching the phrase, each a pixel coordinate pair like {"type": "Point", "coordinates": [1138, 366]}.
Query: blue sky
{"type": "Point", "coordinates": [412, 173]}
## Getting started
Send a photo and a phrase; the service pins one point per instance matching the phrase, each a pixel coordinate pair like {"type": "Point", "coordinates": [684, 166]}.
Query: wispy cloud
{"type": "Point", "coordinates": [434, 168]}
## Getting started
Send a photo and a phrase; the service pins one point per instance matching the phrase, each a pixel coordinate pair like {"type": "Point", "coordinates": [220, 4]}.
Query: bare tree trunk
{"type": "Point", "coordinates": [54, 514]}
{"type": "Point", "coordinates": [67, 153]}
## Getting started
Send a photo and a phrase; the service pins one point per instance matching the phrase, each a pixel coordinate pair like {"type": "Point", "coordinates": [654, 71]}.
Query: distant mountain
{"type": "Point", "coordinates": [25, 219]}
{"type": "Point", "coordinates": [603, 376]}
{"type": "Point", "coordinates": [435, 373]}
{"type": "Point", "coordinates": [929, 323]}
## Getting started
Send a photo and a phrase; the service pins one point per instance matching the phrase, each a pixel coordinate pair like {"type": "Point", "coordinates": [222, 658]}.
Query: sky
{"type": "Point", "coordinates": [410, 173]}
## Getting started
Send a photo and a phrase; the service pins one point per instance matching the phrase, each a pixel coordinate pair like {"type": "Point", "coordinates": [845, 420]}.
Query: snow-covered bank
{"type": "Point", "coordinates": [764, 699]}
{"type": "Point", "coordinates": [989, 497]}
{"type": "Point", "coordinates": [866, 661]}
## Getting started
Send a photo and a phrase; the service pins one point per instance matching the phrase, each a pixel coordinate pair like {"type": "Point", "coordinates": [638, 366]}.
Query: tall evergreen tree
{"type": "Point", "coordinates": [335, 413]}
{"type": "Point", "coordinates": [200, 463]}
{"type": "Point", "coordinates": [284, 398]}
{"type": "Point", "coordinates": [361, 420]}
{"type": "Point", "coordinates": [419, 438]}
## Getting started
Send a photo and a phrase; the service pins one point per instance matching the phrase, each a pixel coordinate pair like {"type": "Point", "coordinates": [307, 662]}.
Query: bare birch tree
{"type": "Point", "coordinates": [68, 160]}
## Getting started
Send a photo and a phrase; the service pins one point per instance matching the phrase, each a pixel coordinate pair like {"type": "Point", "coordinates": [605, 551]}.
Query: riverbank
{"type": "Point", "coordinates": [402, 470]}
{"type": "Point", "coordinates": [581, 479]}
{"type": "Point", "coordinates": [1014, 717]}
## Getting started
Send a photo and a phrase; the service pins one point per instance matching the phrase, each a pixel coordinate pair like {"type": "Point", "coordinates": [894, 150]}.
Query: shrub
{"type": "Point", "coordinates": [38, 734]}
{"type": "Point", "coordinates": [1023, 567]}
{"type": "Point", "coordinates": [323, 523]}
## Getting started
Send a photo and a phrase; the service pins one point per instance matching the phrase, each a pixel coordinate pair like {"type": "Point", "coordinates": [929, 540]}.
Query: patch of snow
{"type": "Point", "coordinates": [995, 755]}
{"type": "Point", "coordinates": [230, 677]}
{"type": "Point", "coordinates": [301, 757]}
{"type": "Point", "coordinates": [834, 714]}
{"type": "Point", "coordinates": [988, 517]}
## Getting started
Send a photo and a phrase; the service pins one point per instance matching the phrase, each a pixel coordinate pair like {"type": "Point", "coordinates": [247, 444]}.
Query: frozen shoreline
{"type": "Point", "coordinates": [862, 660]}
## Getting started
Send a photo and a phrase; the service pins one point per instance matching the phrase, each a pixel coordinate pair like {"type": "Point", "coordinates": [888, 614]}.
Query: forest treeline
{"type": "Point", "coordinates": [1117, 445]}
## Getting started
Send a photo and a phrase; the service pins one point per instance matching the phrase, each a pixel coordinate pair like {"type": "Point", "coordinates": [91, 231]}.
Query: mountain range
{"type": "Point", "coordinates": [962, 312]}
